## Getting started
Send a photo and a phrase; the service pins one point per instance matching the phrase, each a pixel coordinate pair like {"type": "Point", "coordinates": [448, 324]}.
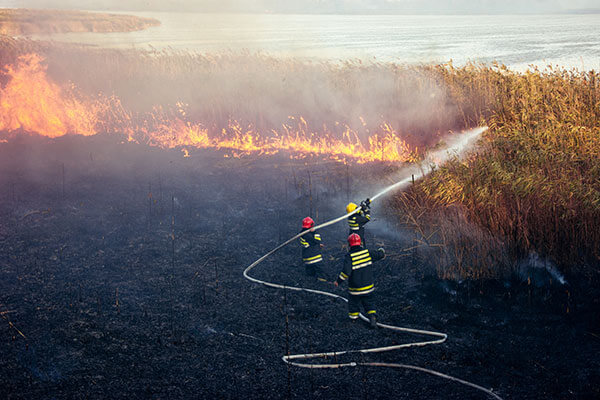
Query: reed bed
{"type": "Point", "coordinates": [258, 89]}
{"type": "Point", "coordinates": [536, 181]}
{"type": "Point", "coordinates": [533, 186]}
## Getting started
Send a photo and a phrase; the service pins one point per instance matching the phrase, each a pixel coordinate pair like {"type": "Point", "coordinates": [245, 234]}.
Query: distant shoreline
{"type": "Point", "coordinates": [21, 21]}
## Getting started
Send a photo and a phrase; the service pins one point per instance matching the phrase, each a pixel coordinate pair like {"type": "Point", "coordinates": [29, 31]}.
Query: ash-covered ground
{"type": "Point", "coordinates": [121, 265]}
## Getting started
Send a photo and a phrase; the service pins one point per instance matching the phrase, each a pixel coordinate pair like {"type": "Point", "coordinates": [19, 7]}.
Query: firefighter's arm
{"type": "Point", "coordinates": [363, 219]}
{"type": "Point", "coordinates": [302, 241]}
{"type": "Point", "coordinates": [378, 254]}
{"type": "Point", "coordinates": [367, 215]}
{"type": "Point", "coordinates": [363, 216]}
{"type": "Point", "coordinates": [313, 238]}
{"type": "Point", "coordinates": [345, 272]}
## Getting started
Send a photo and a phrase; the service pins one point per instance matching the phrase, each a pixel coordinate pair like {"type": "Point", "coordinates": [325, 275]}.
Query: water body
{"type": "Point", "coordinates": [571, 41]}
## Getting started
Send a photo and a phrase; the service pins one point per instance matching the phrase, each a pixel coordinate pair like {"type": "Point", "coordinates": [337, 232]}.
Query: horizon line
{"type": "Point", "coordinates": [588, 11]}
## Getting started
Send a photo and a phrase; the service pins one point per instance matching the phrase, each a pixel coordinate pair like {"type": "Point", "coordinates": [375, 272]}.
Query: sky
{"type": "Point", "coordinates": [323, 6]}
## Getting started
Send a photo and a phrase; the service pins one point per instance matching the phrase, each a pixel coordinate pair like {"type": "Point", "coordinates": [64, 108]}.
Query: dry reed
{"type": "Point", "coordinates": [535, 184]}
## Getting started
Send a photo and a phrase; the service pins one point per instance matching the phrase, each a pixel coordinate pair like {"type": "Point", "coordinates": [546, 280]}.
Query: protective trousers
{"type": "Point", "coordinates": [354, 302]}
{"type": "Point", "coordinates": [316, 270]}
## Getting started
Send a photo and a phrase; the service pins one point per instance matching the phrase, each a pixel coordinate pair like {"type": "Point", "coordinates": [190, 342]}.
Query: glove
{"type": "Point", "coordinates": [363, 206]}
{"type": "Point", "coordinates": [367, 202]}
{"type": "Point", "coordinates": [382, 250]}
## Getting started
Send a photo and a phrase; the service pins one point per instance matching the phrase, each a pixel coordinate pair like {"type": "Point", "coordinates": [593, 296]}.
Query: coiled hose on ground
{"type": "Point", "coordinates": [438, 337]}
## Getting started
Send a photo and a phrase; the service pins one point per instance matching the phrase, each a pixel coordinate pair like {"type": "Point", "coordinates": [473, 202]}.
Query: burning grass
{"type": "Point", "coordinates": [88, 277]}
{"type": "Point", "coordinates": [33, 102]}
{"type": "Point", "coordinates": [535, 183]}
{"type": "Point", "coordinates": [123, 262]}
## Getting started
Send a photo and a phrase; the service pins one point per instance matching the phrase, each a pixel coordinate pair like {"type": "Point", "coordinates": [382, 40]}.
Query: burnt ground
{"type": "Point", "coordinates": [113, 305]}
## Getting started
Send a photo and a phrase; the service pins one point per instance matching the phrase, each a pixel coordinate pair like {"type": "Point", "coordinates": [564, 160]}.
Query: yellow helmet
{"type": "Point", "coordinates": [351, 207]}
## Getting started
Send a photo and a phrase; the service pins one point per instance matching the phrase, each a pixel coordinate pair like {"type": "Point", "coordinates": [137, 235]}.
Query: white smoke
{"type": "Point", "coordinates": [539, 271]}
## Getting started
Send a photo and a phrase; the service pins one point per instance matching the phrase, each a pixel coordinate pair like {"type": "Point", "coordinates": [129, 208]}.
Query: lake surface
{"type": "Point", "coordinates": [515, 40]}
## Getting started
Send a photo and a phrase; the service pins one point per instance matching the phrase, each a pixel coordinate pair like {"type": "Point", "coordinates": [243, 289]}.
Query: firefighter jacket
{"type": "Point", "coordinates": [311, 247]}
{"type": "Point", "coordinates": [358, 269]}
{"type": "Point", "coordinates": [358, 220]}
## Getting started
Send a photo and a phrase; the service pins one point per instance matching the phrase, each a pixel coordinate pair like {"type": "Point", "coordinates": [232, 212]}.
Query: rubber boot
{"type": "Point", "coordinates": [373, 321]}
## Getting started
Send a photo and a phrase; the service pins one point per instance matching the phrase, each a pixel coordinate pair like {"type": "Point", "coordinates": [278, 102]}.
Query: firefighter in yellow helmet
{"type": "Point", "coordinates": [358, 271]}
{"type": "Point", "coordinates": [357, 221]}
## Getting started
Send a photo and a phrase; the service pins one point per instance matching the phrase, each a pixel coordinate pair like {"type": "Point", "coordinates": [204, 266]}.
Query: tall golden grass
{"type": "Point", "coordinates": [536, 182]}
{"type": "Point", "coordinates": [534, 186]}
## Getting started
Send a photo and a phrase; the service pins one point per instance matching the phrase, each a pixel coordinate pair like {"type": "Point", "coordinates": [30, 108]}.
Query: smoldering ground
{"type": "Point", "coordinates": [122, 263]}
{"type": "Point", "coordinates": [126, 280]}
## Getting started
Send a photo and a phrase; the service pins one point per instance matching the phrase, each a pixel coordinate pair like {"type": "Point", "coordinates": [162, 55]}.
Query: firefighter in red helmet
{"type": "Point", "coordinates": [311, 250]}
{"type": "Point", "coordinates": [358, 271]}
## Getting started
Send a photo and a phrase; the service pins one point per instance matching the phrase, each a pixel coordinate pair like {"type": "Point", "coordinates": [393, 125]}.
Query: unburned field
{"type": "Point", "coordinates": [121, 276]}
{"type": "Point", "coordinates": [23, 21]}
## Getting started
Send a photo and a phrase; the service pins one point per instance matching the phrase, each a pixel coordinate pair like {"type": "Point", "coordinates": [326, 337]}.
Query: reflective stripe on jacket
{"type": "Point", "coordinates": [311, 247]}
{"type": "Point", "coordinates": [358, 269]}
{"type": "Point", "coordinates": [357, 221]}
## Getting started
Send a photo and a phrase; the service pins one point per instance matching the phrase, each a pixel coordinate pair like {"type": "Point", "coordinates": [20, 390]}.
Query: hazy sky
{"type": "Point", "coordinates": [323, 6]}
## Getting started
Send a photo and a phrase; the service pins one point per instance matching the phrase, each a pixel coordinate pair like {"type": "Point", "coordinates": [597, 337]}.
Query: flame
{"type": "Point", "coordinates": [31, 102]}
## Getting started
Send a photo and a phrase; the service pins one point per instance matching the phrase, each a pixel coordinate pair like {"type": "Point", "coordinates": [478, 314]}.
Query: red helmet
{"type": "Point", "coordinates": [308, 222]}
{"type": "Point", "coordinates": [354, 240]}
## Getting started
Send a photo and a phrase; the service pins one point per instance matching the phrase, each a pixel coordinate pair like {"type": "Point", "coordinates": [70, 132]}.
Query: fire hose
{"type": "Point", "coordinates": [292, 359]}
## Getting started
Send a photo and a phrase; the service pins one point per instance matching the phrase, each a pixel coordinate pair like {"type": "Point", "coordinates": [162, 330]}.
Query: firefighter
{"type": "Point", "coordinates": [357, 221]}
{"type": "Point", "coordinates": [311, 250]}
{"type": "Point", "coordinates": [358, 270]}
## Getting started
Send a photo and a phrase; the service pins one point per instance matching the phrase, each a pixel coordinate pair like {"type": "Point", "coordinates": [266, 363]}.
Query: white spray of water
{"type": "Point", "coordinates": [455, 147]}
